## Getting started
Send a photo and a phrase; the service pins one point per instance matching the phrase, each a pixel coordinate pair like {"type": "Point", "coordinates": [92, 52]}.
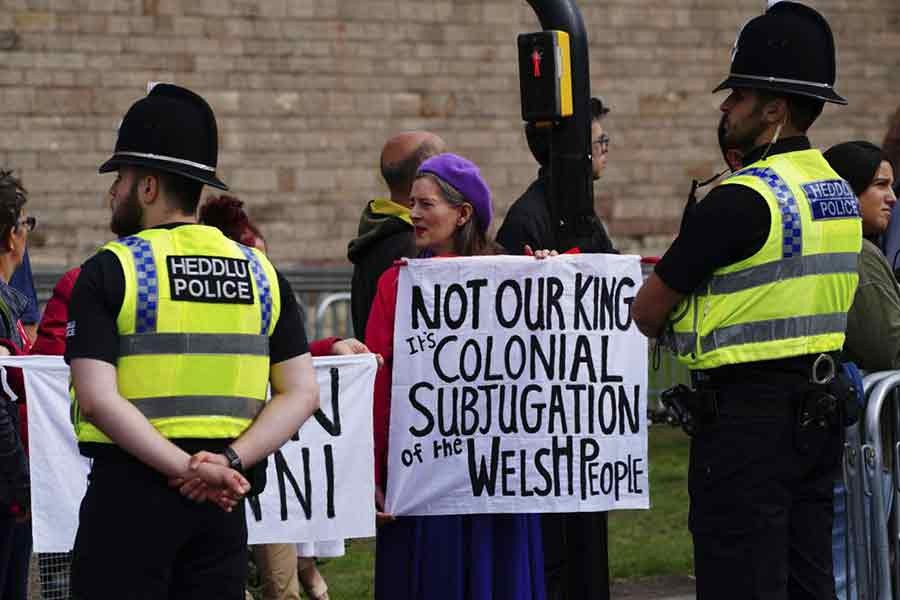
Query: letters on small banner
{"type": "Point", "coordinates": [320, 484]}
{"type": "Point", "coordinates": [519, 386]}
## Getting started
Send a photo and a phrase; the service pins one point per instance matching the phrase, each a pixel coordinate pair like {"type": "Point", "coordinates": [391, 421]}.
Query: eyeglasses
{"type": "Point", "coordinates": [29, 222]}
{"type": "Point", "coordinates": [602, 142]}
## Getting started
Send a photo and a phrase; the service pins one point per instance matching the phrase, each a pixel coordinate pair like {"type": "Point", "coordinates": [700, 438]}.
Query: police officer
{"type": "Point", "coordinates": [753, 295]}
{"type": "Point", "coordinates": [175, 332]}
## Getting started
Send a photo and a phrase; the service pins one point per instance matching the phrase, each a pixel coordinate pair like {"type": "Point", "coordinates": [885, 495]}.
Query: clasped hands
{"type": "Point", "coordinates": [209, 478]}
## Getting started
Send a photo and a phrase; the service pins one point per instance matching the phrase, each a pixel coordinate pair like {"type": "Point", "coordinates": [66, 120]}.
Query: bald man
{"type": "Point", "coordinates": [385, 230]}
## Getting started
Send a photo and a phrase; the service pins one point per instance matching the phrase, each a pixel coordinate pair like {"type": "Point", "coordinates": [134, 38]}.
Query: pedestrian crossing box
{"type": "Point", "coordinates": [545, 75]}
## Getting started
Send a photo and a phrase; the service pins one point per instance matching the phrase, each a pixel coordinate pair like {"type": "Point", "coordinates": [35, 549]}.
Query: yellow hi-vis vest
{"type": "Point", "coordinates": [194, 332]}
{"type": "Point", "coordinates": [790, 298]}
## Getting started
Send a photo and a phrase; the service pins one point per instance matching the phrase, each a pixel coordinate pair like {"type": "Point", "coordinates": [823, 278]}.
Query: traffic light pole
{"type": "Point", "coordinates": [576, 554]}
{"type": "Point", "coordinates": [571, 184]}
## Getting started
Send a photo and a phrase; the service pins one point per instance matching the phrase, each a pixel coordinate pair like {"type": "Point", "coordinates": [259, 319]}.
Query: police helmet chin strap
{"type": "Point", "coordinates": [774, 139]}
{"type": "Point", "coordinates": [706, 182]}
{"type": "Point", "coordinates": [696, 185]}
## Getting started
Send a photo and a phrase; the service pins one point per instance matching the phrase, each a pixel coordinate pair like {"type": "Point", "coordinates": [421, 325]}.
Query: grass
{"type": "Point", "coordinates": [351, 577]}
{"type": "Point", "coordinates": [656, 541]}
{"type": "Point", "coordinates": [642, 542]}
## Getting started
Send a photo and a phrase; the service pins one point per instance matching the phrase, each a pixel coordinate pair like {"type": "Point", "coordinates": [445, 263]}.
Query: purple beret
{"type": "Point", "coordinates": [464, 176]}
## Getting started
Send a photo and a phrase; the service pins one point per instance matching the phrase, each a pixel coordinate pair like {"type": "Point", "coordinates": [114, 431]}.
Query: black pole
{"type": "Point", "coordinates": [576, 553]}
{"type": "Point", "coordinates": [571, 183]}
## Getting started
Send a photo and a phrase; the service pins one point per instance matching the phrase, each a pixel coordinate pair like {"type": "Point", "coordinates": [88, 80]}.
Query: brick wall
{"type": "Point", "coordinates": [306, 91]}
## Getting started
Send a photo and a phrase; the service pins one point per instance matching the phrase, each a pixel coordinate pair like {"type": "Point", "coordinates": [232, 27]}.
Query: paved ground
{"type": "Point", "coordinates": [650, 588]}
{"type": "Point", "coordinates": [654, 588]}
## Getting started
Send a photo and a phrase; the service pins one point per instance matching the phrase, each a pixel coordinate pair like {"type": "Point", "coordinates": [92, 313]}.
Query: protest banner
{"type": "Point", "coordinates": [519, 385]}
{"type": "Point", "coordinates": [319, 487]}
{"type": "Point", "coordinates": [321, 484]}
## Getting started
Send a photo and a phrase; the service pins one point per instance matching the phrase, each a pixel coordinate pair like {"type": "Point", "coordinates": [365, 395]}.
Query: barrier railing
{"type": "Point", "coordinates": [873, 535]}
{"type": "Point", "coordinates": [333, 316]}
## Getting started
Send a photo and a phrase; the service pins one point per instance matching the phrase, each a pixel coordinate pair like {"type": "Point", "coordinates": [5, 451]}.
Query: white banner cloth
{"type": "Point", "coordinates": [326, 474]}
{"type": "Point", "coordinates": [519, 386]}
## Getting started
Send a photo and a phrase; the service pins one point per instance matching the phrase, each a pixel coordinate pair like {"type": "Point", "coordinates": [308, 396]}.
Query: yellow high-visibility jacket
{"type": "Point", "coordinates": [790, 298]}
{"type": "Point", "coordinates": [194, 332]}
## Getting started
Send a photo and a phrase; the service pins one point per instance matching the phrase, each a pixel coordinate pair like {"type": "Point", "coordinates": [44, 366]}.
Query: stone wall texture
{"type": "Point", "coordinates": [306, 92]}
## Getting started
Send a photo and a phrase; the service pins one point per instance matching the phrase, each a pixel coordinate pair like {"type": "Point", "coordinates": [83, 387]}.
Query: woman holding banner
{"type": "Point", "coordinates": [456, 557]}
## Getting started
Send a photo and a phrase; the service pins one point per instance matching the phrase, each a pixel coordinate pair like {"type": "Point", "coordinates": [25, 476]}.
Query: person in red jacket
{"type": "Point", "coordinates": [453, 557]}
{"type": "Point", "coordinates": [50, 339]}
{"type": "Point", "coordinates": [51, 332]}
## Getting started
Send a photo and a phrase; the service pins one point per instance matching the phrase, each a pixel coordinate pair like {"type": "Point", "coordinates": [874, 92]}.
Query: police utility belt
{"type": "Point", "coordinates": [827, 399]}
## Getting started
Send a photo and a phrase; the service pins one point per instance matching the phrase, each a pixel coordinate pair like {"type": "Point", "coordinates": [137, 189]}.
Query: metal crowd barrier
{"type": "Point", "coordinates": [873, 534]}
{"type": "Point", "coordinates": [333, 316]}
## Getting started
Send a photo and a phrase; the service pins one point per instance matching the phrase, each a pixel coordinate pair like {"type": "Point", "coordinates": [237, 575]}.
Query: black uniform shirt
{"type": "Point", "coordinates": [92, 331]}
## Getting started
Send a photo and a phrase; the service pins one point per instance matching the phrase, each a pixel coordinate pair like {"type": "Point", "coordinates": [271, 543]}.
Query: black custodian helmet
{"type": "Point", "coordinates": [789, 49]}
{"type": "Point", "coordinates": [172, 129]}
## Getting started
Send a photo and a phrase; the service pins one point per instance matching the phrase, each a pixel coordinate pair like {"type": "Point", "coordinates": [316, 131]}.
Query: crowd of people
{"type": "Point", "coordinates": [785, 269]}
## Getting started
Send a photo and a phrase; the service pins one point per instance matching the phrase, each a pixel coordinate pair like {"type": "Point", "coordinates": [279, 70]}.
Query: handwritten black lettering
{"type": "Point", "coordinates": [332, 425]}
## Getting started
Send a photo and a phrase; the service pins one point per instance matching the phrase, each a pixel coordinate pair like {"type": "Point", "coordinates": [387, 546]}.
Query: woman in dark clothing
{"type": "Point", "coordinates": [873, 323]}
{"type": "Point", "coordinates": [15, 530]}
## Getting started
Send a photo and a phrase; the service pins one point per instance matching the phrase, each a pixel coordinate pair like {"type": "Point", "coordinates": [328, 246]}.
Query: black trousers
{"type": "Point", "coordinates": [761, 492]}
{"type": "Point", "coordinates": [139, 539]}
{"type": "Point", "coordinates": [576, 558]}
{"type": "Point", "coordinates": [15, 552]}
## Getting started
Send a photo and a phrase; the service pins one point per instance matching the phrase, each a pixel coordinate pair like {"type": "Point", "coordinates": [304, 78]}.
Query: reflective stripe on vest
{"type": "Point", "coordinates": [773, 330]}
{"type": "Point", "coordinates": [194, 343]}
{"type": "Point", "coordinates": [795, 266]}
{"type": "Point", "coordinates": [683, 343]}
{"type": "Point", "coordinates": [162, 407]}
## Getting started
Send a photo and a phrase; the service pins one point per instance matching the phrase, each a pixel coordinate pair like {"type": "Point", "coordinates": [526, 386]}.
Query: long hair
{"type": "Point", "coordinates": [227, 214]}
{"type": "Point", "coordinates": [470, 239]}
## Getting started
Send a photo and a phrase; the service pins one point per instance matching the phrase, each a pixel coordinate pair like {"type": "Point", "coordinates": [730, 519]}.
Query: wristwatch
{"type": "Point", "coordinates": [234, 461]}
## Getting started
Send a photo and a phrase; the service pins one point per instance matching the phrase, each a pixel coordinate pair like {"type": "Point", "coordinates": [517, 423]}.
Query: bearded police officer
{"type": "Point", "coordinates": [175, 334]}
{"type": "Point", "coordinates": [753, 296]}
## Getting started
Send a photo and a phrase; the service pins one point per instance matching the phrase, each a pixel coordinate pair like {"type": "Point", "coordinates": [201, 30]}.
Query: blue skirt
{"type": "Point", "coordinates": [467, 557]}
